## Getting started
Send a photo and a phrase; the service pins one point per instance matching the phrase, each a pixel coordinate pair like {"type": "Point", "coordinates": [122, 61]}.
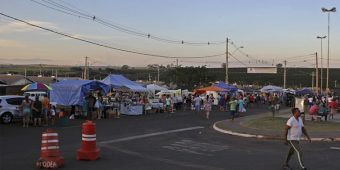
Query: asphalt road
{"type": "Point", "coordinates": [185, 140]}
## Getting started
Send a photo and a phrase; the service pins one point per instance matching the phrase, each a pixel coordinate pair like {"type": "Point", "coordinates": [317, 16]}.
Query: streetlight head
{"type": "Point", "coordinates": [328, 10]}
{"type": "Point", "coordinates": [321, 37]}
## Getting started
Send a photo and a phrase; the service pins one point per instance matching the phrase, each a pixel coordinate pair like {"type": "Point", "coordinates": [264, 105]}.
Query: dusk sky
{"type": "Point", "coordinates": [270, 31]}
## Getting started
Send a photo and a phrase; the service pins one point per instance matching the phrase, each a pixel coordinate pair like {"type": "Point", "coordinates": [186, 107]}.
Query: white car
{"type": "Point", "coordinates": [9, 107]}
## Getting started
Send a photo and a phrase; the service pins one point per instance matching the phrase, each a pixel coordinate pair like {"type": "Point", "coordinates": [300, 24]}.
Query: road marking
{"type": "Point", "coordinates": [336, 148]}
{"type": "Point", "coordinates": [168, 161]}
{"type": "Point", "coordinates": [150, 135]}
{"type": "Point", "coordinates": [193, 147]}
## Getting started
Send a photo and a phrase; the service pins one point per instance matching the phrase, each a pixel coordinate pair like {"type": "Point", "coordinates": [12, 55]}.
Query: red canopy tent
{"type": "Point", "coordinates": [205, 89]}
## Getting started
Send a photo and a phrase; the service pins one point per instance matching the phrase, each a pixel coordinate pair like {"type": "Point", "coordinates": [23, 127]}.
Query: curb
{"type": "Point", "coordinates": [229, 132]}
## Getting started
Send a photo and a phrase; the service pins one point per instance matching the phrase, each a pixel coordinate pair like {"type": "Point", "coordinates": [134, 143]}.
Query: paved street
{"type": "Point", "coordinates": [184, 140]}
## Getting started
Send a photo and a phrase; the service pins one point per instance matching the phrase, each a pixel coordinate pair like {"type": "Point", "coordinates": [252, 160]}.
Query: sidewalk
{"type": "Point", "coordinates": [236, 128]}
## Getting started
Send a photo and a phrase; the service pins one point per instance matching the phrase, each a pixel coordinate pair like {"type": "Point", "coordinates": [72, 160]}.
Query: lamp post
{"type": "Point", "coordinates": [328, 12]}
{"type": "Point", "coordinates": [319, 37]}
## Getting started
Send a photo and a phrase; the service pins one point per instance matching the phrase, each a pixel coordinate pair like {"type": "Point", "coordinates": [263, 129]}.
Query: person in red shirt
{"type": "Point", "coordinates": [333, 105]}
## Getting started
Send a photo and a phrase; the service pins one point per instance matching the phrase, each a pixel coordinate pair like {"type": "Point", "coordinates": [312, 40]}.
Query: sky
{"type": "Point", "coordinates": [260, 33]}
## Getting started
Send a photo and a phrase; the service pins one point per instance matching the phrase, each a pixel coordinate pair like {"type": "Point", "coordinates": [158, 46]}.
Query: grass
{"type": "Point", "coordinates": [278, 123]}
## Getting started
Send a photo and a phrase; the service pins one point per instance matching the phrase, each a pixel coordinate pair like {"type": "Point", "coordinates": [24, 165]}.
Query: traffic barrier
{"type": "Point", "coordinates": [50, 157]}
{"type": "Point", "coordinates": [88, 149]}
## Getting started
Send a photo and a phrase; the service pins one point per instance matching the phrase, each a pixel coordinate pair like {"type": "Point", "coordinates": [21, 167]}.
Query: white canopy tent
{"type": "Point", "coordinates": [271, 89]}
{"type": "Point", "coordinates": [152, 88]}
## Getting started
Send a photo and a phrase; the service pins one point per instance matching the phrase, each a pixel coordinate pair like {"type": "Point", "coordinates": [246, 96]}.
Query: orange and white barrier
{"type": "Point", "coordinates": [50, 157]}
{"type": "Point", "coordinates": [88, 149]}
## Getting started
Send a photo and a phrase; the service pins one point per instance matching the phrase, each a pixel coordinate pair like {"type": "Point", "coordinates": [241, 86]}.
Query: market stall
{"type": "Point", "coordinates": [128, 94]}
{"type": "Point", "coordinates": [73, 92]}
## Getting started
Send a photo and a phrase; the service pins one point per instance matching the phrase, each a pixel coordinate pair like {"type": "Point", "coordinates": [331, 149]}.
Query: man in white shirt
{"type": "Point", "coordinates": [293, 133]}
{"type": "Point", "coordinates": [197, 101]}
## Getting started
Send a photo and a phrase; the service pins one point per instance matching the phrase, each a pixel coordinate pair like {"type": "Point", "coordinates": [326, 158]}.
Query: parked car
{"type": "Point", "coordinates": [9, 108]}
{"type": "Point", "coordinates": [33, 94]}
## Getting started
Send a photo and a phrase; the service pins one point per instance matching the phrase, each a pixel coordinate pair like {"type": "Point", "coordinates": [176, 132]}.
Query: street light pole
{"type": "Point", "coordinates": [328, 12]}
{"type": "Point", "coordinates": [321, 69]}
{"type": "Point", "coordinates": [316, 74]}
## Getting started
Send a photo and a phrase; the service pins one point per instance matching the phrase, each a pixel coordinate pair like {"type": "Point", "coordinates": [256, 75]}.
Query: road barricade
{"type": "Point", "coordinates": [88, 149]}
{"type": "Point", "coordinates": [50, 157]}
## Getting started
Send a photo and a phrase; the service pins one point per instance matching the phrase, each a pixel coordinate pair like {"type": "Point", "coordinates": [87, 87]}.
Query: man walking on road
{"type": "Point", "coordinates": [293, 132]}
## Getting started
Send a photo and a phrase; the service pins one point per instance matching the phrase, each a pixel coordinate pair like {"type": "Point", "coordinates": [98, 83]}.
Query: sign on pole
{"type": "Point", "coordinates": [264, 70]}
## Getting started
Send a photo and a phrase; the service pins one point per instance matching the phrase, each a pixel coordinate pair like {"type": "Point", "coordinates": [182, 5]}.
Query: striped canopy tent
{"type": "Point", "coordinates": [36, 87]}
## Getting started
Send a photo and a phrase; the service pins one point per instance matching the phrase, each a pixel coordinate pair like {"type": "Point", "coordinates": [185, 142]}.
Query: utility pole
{"type": "Point", "coordinates": [317, 74]}
{"type": "Point", "coordinates": [158, 74]}
{"type": "Point", "coordinates": [285, 74]}
{"type": "Point", "coordinates": [88, 71]}
{"type": "Point", "coordinates": [226, 63]}
{"type": "Point", "coordinates": [312, 80]}
{"type": "Point", "coordinates": [321, 56]}
{"type": "Point", "coordinates": [176, 62]}
{"type": "Point", "coordinates": [25, 76]}
{"type": "Point", "coordinates": [56, 75]}
{"type": "Point", "coordinates": [85, 69]}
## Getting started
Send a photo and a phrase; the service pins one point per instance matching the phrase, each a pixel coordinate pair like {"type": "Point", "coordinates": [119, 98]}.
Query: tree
{"type": "Point", "coordinates": [279, 65]}
{"type": "Point", "coordinates": [125, 67]}
{"type": "Point", "coordinates": [223, 65]}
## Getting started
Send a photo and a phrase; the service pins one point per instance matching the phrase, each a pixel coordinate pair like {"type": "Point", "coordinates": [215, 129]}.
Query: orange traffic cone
{"type": "Point", "coordinates": [88, 149]}
{"type": "Point", "coordinates": [50, 157]}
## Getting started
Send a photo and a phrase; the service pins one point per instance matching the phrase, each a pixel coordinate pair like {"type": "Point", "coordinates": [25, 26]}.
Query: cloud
{"type": "Point", "coordinates": [17, 26]}
{"type": "Point", "coordinates": [26, 61]}
{"type": "Point", "coordinates": [10, 44]}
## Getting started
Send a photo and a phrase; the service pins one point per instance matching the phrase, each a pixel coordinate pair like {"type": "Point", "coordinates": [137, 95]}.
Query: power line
{"type": "Point", "coordinates": [238, 60]}
{"type": "Point", "coordinates": [103, 45]}
{"type": "Point", "coordinates": [81, 14]}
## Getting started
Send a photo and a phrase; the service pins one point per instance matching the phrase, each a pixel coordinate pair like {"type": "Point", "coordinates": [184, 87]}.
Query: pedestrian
{"type": "Point", "coordinates": [333, 106]}
{"type": "Point", "coordinates": [36, 111]}
{"type": "Point", "coordinates": [26, 107]}
{"type": "Point", "coordinates": [91, 101]}
{"type": "Point", "coordinates": [45, 109]}
{"type": "Point", "coordinates": [168, 104]}
{"type": "Point", "coordinates": [197, 102]}
{"type": "Point", "coordinates": [207, 105]}
{"type": "Point", "coordinates": [53, 111]}
{"type": "Point", "coordinates": [241, 107]}
{"type": "Point", "coordinates": [323, 112]}
{"type": "Point", "coordinates": [293, 132]}
{"type": "Point", "coordinates": [233, 104]}
{"type": "Point", "coordinates": [99, 106]}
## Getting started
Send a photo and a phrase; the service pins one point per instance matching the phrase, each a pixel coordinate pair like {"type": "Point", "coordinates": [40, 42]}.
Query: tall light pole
{"type": "Point", "coordinates": [319, 37]}
{"type": "Point", "coordinates": [328, 12]}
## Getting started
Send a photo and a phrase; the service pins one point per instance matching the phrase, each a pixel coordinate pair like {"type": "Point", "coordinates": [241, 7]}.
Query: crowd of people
{"type": "Point", "coordinates": [95, 105]}
{"type": "Point", "coordinates": [40, 112]}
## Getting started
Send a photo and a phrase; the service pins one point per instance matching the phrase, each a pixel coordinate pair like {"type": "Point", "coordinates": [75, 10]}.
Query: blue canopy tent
{"type": "Point", "coordinates": [271, 89]}
{"type": "Point", "coordinates": [225, 86]}
{"type": "Point", "coordinates": [120, 82]}
{"type": "Point", "coordinates": [73, 92]}
{"type": "Point", "coordinates": [304, 91]}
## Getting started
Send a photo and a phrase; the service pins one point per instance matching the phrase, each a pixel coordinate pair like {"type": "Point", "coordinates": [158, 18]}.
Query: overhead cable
{"type": "Point", "coordinates": [79, 13]}
{"type": "Point", "coordinates": [103, 45]}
